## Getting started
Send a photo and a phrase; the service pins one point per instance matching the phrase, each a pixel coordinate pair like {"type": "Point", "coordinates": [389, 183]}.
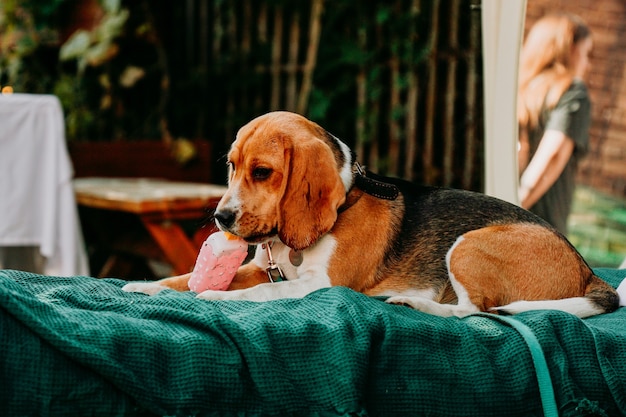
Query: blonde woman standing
{"type": "Point", "coordinates": [554, 114]}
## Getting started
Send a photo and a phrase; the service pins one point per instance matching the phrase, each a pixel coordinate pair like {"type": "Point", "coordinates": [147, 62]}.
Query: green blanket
{"type": "Point", "coordinates": [80, 346]}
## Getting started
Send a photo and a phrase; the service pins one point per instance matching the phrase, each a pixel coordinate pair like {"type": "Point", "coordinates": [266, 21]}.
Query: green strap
{"type": "Point", "coordinates": [546, 390]}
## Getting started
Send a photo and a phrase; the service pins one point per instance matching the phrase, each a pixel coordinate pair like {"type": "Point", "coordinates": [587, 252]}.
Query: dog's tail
{"type": "Point", "coordinates": [599, 298]}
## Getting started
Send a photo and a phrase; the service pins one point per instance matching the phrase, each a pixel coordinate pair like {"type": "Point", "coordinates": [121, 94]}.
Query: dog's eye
{"type": "Point", "coordinates": [231, 165]}
{"type": "Point", "coordinates": [261, 173]}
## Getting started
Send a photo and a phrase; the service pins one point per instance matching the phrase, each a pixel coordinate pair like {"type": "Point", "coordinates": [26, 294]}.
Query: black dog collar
{"type": "Point", "coordinates": [371, 186]}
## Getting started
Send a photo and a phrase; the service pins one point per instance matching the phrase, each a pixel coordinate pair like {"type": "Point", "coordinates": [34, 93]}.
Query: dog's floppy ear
{"type": "Point", "coordinates": [313, 193]}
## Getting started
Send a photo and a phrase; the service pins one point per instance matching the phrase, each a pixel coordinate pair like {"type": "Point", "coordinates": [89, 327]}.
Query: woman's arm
{"type": "Point", "coordinates": [553, 153]}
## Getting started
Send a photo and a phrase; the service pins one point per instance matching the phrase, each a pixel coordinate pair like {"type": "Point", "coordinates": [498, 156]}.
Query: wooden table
{"type": "Point", "coordinates": [160, 205]}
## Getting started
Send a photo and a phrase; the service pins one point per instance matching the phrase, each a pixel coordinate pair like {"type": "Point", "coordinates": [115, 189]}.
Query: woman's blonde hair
{"type": "Point", "coordinates": [546, 68]}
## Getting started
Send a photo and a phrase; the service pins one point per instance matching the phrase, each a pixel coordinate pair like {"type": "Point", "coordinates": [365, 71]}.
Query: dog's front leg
{"type": "Point", "coordinates": [177, 283]}
{"type": "Point", "coordinates": [310, 276]}
{"type": "Point", "coordinates": [296, 288]}
{"type": "Point", "coordinates": [248, 275]}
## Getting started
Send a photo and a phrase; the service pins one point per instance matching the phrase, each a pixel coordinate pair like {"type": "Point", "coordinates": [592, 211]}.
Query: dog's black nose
{"type": "Point", "coordinates": [226, 218]}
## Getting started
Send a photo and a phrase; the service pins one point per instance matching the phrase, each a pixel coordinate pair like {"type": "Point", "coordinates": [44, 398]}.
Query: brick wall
{"type": "Point", "coordinates": [605, 167]}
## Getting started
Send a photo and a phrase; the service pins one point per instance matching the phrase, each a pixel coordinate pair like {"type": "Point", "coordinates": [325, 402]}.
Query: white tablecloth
{"type": "Point", "coordinates": [37, 203]}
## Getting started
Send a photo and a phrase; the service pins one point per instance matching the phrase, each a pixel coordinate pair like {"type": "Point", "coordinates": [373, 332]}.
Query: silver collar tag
{"type": "Point", "coordinates": [274, 273]}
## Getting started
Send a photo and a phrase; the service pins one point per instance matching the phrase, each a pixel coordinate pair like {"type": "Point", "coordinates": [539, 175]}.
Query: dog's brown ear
{"type": "Point", "coordinates": [313, 193]}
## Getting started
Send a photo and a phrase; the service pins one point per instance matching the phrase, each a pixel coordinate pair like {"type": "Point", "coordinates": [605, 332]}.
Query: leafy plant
{"type": "Point", "coordinates": [97, 46]}
{"type": "Point", "coordinates": [25, 29]}
{"type": "Point", "coordinates": [92, 72]}
{"type": "Point", "coordinates": [90, 48]}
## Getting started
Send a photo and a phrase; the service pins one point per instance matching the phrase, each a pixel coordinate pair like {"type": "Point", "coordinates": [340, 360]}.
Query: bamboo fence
{"type": "Point", "coordinates": [408, 101]}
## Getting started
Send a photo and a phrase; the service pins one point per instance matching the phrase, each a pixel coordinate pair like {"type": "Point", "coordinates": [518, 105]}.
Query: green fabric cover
{"type": "Point", "coordinates": [80, 346]}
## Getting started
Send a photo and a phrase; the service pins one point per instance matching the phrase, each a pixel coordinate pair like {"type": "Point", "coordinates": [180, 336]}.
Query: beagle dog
{"type": "Point", "coordinates": [297, 189]}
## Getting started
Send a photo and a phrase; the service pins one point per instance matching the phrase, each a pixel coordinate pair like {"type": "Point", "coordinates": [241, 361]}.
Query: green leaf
{"type": "Point", "coordinates": [111, 6]}
{"type": "Point", "coordinates": [75, 46]}
{"type": "Point", "coordinates": [112, 25]}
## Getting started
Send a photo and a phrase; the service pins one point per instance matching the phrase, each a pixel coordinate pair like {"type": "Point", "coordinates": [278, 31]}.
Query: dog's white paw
{"type": "Point", "coordinates": [149, 288]}
{"type": "Point", "coordinates": [432, 307]}
{"type": "Point", "coordinates": [420, 304]}
{"type": "Point", "coordinates": [220, 295]}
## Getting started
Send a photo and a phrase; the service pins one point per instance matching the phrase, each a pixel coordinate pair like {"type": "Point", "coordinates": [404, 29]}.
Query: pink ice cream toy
{"type": "Point", "coordinates": [220, 256]}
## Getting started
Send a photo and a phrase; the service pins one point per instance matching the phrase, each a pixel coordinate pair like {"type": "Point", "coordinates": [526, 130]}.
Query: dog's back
{"type": "Point", "coordinates": [435, 217]}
